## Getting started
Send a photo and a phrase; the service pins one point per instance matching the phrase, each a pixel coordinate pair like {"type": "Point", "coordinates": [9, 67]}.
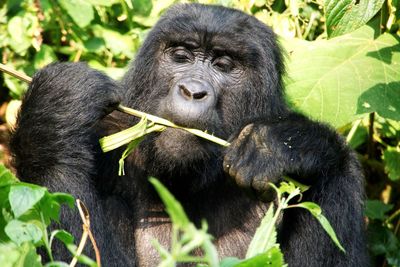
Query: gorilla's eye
{"type": "Point", "coordinates": [181, 55]}
{"type": "Point", "coordinates": [224, 63]}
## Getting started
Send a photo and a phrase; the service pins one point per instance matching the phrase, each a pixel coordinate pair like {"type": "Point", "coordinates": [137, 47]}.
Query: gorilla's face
{"type": "Point", "coordinates": [213, 69]}
{"type": "Point", "coordinates": [196, 76]}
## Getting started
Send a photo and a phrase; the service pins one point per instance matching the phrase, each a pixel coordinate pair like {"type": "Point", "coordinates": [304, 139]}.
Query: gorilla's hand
{"type": "Point", "coordinates": [253, 162]}
{"type": "Point", "coordinates": [72, 91]}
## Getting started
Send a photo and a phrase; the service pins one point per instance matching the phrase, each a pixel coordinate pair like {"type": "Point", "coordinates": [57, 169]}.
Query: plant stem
{"type": "Point", "coordinates": [16, 74]}
{"type": "Point", "coordinates": [168, 123]}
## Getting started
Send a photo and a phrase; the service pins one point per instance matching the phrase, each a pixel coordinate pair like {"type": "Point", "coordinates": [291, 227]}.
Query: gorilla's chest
{"type": "Point", "coordinates": [232, 230]}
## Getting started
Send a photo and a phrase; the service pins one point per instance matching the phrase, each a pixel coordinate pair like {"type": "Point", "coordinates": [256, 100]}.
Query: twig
{"type": "Point", "coordinates": [84, 213]}
{"type": "Point", "coordinates": [168, 123]}
{"type": "Point", "coordinates": [16, 74]}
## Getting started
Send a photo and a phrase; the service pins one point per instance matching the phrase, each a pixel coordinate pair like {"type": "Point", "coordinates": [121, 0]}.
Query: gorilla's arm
{"type": "Point", "coordinates": [53, 143]}
{"type": "Point", "coordinates": [313, 154]}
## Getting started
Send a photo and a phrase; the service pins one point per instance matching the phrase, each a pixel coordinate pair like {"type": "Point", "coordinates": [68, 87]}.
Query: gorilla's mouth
{"type": "Point", "coordinates": [181, 145]}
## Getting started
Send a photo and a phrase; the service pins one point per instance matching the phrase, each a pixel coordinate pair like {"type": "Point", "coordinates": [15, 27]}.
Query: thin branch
{"type": "Point", "coordinates": [84, 213]}
{"type": "Point", "coordinates": [14, 73]}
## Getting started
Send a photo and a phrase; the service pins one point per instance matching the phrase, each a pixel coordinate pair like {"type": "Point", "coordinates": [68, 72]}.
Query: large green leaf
{"type": "Point", "coordinates": [80, 11]}
{"type": "Point", "coordinates": [344, 16]}
{"type": "Point", "coordinates": [23, 197]}
{"type": "Point", "coordinates": [339, 79]}
{"type": "Point", "coordinates": [20, 232]}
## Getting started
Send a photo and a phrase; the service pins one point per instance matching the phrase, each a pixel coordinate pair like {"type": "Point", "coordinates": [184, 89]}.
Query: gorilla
{"type": "Point", "coordinates": [206, 67]}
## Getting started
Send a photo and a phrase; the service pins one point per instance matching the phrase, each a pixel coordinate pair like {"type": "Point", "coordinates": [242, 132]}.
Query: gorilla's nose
{"type": "Point", "coordinates": [190, 99]}
{"type": "Point", "coordinates": [191, 89]}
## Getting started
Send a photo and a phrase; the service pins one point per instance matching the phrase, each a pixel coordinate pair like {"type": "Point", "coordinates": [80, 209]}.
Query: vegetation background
{"type": "Point", "coordinates": [343, 67]}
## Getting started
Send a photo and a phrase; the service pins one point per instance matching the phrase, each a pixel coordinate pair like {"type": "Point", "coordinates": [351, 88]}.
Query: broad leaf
{"type": "Point", "coordinates": [336, 80]}
{"type": "Point", "coordinates": [20, 232]}
{"type": "Point", "coordinates": [80, 11]}
{"type": "Point", "coordinates": [23, 197]}
{"type": "Point", "coordinates": [344, 16]}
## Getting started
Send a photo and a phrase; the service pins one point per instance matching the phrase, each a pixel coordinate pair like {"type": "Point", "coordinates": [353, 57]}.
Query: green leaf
{"type": "Point", "coordinates": [316, 211]}
{"type": "Point", "coordinates": [80, 11]}
{"type": "Point", "coordinates": [115, 41]}
{"type": "Point", "coordinates": [327, 78]}
{"type": "Point", "coordinates": [6, 176]}
{"type": "Point", "coordinates": [17, 87]}
{"type": "Point", "coordinates": [56, 264]}
{"type": "Point", "coordinates": [44, 57]}
{"type": "Point", "coordinates": [17, 29]}
{"type": "Point", "coordinates": [265, 236]}
{"type": "Point", "coordinates": [124, 137]}
{"type": "Point", "coordinates": [81, 258]}
{"type": "Point", "coordinates": [381, 240]}
{"type": "Point", "coordinates": [64, 198]}
{"type": "Point", "coordinates": [20, 232]}
{"type": "Point", "coordinates": [391, 157]}
{"type": "Point", "coordinates": [173, 207]}
{"type": "Point", "coordinates": [25, 255]}
{"type": "Point", "coordinates": [61, 235]}
{"type": "Point", "coordinates": [383, 98]}
{"type": "Point", "coordinates": [142, 7]}
{"type": "Point", "coordinates": [375, 209]}
{"type": "Point", "coordinates": [23, 197]}
{"type": "Point", "coordinates": [344, 16]}
{"type": "Point", "coordinates": [9, 254]}
{"type": "Point", "coordinates": [94, 44]}
{"type": "Point", "coordinates": [103, 2]}
{"type": "Point", "coordinates": [230, 262]}
{"type": "Point", "coordinates": [273, 258]}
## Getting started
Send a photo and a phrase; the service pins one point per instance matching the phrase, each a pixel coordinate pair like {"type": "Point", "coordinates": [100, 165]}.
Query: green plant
{"type": "Point", "coordinates": [27, 211]}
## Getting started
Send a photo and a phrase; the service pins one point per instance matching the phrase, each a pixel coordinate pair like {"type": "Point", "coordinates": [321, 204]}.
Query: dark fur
{"type": "Point", "coordinates": [63, 114]}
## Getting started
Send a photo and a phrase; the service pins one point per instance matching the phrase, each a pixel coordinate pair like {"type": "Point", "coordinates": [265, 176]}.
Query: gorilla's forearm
{"type": "Point", "coordinates": [53, 144]}
{"type": "Point", "coordinates": [55, 125]}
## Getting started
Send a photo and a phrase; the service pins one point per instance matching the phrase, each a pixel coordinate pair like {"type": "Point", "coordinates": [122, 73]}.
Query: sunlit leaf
{"type": "Point", "coordinates": [336, 80]}
{"type": "Point", "coordinates": [23, 197]}
{"type": "Point", "coordinates": [20, 232]}
{"type": "Point", "coordinates": [344, 16]}
{"type": "Point", "coordinates": [80, 11]}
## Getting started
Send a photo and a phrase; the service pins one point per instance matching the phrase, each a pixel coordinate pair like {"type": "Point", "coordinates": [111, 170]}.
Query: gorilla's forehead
{"type": "Point", "coordinates": [211, 27]}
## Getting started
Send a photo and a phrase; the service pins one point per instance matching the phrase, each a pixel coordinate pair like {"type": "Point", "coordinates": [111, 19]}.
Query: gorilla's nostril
{"type": "Point", "coordinates": [185, 92]}
{"type": "Point", "coordinates": [189, 95]}
{"type": "Point", "coordinates": [199, 95]}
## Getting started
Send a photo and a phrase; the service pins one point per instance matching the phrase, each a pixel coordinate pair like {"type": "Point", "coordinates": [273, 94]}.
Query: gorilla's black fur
{"type": "Point", "coordinates": [205, 67]}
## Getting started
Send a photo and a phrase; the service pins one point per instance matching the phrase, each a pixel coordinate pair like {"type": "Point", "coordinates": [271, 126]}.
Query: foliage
{"type": "Point", "coordinates": [27, 211]}
{"type": "Point", "coordinates": [263, 250]}
{"type": "Point", "coordinates": [343, 59]}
